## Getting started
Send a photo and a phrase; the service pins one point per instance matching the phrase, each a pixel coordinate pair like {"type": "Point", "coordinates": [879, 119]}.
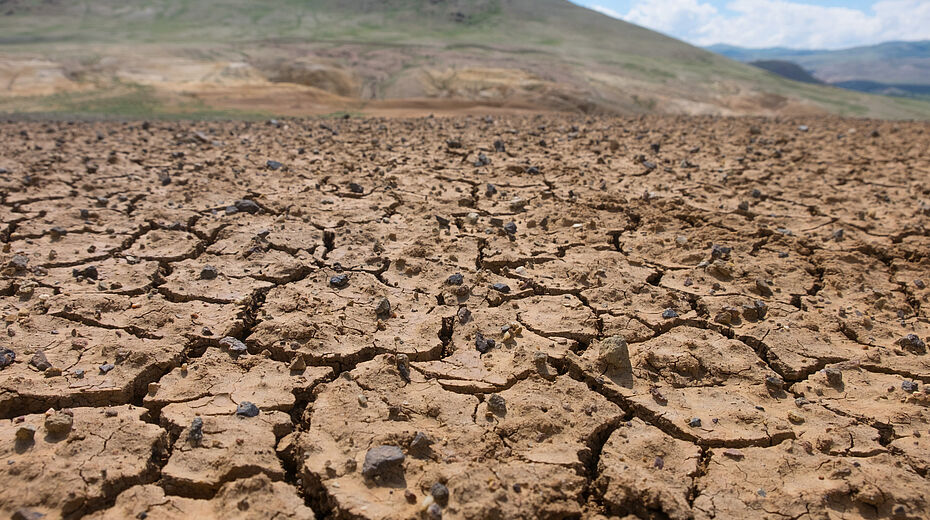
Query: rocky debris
{"type": "Point", "coordinates": [89, 273]}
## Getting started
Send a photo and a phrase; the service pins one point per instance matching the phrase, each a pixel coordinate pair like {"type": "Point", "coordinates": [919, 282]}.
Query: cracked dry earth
{"type": "Point", "coordinates": [540, 317]}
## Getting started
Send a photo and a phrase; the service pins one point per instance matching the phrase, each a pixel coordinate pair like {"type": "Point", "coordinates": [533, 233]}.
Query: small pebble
{"type": "Point", "coordinates": [7, 357]}
{"type": "Point", "coordinates": [208, 273]}
{"type": "Point", "coordinates": [497, 404]}
{"type": "Point", "coordinates": [695, 422]}
{"type": "Point", "coordinates": [106, 367]}
{"type": "Point", "coordinates": [501, 288]}
{"type": "Point", "coordinates": [455, 279]}
{"type": "Point", "coordinates": [339, 281]}
{"type": "Point", "coordinates": [382, 460]}
{"type": "Point", "coordinates": [235, 346]}
{"type": "Point", "coordinates": [440, 493]}
{"type": "Point", "coordinates": [246, 409]}
{"type": "Point", "coordinates": [195, 435]}
{"type": "Point", "coordinates": [383, 309]}
{"type": "Point", "coordinates": [482, 344]}
{"type": "Point", "coordinates": [669, 314]}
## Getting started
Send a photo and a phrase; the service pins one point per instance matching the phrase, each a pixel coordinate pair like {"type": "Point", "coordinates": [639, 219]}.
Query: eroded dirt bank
{"type": "Point", "coordinates": [539, 317]}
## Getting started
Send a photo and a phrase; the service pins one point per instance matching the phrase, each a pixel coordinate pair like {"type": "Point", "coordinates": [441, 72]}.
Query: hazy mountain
{"type": "Point", "coordinates": [141, 57]}
{"type": "Point", "coordinates": [897, 68]}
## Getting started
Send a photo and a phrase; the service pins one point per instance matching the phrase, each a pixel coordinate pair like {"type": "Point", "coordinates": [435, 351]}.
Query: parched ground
{"type": "Point", "coordinates": [539, 317]}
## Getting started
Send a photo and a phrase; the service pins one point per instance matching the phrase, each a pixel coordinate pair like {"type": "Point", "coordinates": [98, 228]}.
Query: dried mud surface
{"type": "Point", "coordinates": [539, 317]}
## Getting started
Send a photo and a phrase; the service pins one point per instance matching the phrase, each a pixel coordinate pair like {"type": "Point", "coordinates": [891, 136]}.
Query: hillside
{"type": "Point", "coordinates": [295, 57]}
{"type": "Point", "coordinates": [786, 69]}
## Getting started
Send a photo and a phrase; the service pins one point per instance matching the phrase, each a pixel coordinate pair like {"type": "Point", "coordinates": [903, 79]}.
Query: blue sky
{"type": "Point", "coordinates": [798, 24]}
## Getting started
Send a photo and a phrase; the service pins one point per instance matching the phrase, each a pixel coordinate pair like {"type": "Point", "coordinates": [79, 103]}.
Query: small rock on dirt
{"type": "Point", "coordinates": [484, 345]}
{"type": "Point", "coordinates": [39, 361]}
{"type": "Point", "coordinates": [497, 405]}
{"type": "Point", "coordinates": [195, 435]}
{"type": "Point", "coordinates": [7, 357]}
{"type": "Point", "coordinates": [246, 409]}
{"type": "Point", "coordinates": [380, 461]}
{"type": "Point", "coordinates": [339, 281]}
{"type": "Point", "coordinates": [234, 345]}
{"type": "Point", "coordinates": [208, 273]}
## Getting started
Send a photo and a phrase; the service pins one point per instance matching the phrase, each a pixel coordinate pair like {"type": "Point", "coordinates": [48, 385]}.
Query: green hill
{"type": "Point", "coordinates": [240, 57]}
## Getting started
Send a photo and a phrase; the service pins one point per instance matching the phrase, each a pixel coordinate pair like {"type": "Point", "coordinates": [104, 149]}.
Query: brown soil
{"type": "Point", "coordinates": [696, 318]}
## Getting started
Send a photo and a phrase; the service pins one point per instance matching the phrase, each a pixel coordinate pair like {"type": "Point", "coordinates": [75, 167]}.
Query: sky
{"type": "Point", "coordinates": [796, 24]}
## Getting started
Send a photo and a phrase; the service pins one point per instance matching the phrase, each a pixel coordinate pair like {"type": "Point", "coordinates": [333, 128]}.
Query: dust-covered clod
{"type": "Point", "coordinates": [402, 361]}
{"type": "Point", "coordinates": [298, 364]}
{"type": "Point", "coordinates": [25, 433]}
{"type": "Point", "coordinates": [58, 423]}
{"type": "Point", "coordinates": [763, 288]}
{"type": "Point", "coordinates": [613, 356]}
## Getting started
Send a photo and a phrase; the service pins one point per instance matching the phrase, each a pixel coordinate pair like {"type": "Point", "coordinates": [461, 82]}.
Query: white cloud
{"type": "Point", "coordinates": [783, 23]}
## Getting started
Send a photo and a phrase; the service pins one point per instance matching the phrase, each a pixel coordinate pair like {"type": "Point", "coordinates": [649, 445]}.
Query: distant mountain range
{"type": "Point", "coordinates": [892, 68]}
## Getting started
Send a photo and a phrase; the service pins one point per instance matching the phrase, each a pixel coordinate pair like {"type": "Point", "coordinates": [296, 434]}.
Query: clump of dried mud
{"type": "Point", "coordinates": [546, 317]}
